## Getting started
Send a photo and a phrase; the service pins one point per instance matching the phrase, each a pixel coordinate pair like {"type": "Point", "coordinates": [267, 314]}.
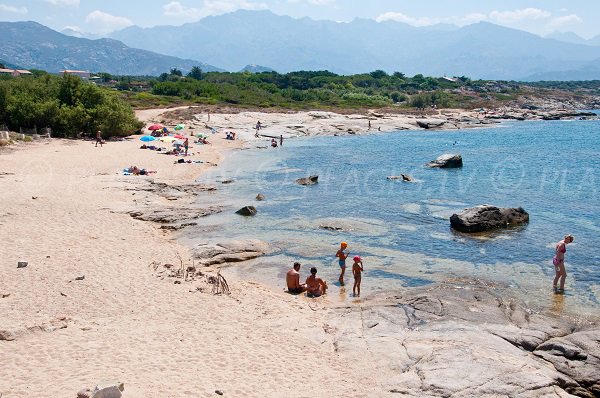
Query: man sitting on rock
{"type": "Point", "coordinates": [315, 287]}
{"type": "Point", "coordinates": [293, 280]}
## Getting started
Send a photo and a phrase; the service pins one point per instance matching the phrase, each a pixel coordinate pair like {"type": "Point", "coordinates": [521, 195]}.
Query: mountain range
{"type": "Point", "coordinates": [481, 50]}
{"type": "Point", "coordinates": [570, 37]}
{"type": "Point", "coordinates": [244, 39]}
{"type": "Point", "coordinates": [34, 46]}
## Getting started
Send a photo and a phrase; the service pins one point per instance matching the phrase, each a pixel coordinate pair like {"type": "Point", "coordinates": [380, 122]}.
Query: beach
{"type": "Point", "coordinates": [96, 302]}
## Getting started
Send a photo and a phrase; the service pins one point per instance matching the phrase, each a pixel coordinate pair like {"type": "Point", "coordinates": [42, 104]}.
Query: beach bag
{"type": "Point", "coordinates": [555, 261]}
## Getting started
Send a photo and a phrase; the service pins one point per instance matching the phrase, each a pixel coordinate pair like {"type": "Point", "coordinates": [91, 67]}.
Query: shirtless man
{"type": "Point", "coordinates": [99, 138]}
{"type": "Point", "coordinates": [293, 280]}
{"type": "Point", "coordinates": [315, 286]}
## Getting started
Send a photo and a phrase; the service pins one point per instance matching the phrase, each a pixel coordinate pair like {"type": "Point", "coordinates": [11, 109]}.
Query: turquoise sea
{"type": "Point", "coordinates": [402, 231]}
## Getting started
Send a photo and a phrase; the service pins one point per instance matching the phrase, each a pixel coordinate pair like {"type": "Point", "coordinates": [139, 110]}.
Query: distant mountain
{"type": "Point", "coordinates": [32, 45]}
{"type": "Point", "coordinates": [570, 37]}
{"type": "Point", "coordinates": [256, 69]}
{"type": "Point", "coordinates": [10, 65]}
{"type": "Point", "coordinates": [80, 34]}
{"type": "Point", "coordinates": [481, 50]}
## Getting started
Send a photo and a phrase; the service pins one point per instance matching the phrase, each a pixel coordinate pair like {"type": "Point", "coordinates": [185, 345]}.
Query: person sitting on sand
{"type": "Point", "coordinates": [315, 287]}
{"type": "Point", "coordinates": [559, 263]}
{"type": "Point", "coordinates": [342, 254]}
{"type": "Point", "coordinates": [293, 280]}
{"type": "Point", "coordinates": [357, 269]}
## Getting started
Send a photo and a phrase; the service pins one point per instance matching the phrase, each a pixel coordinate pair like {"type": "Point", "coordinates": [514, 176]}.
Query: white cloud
{"type": "Point", "coordinates": [566, 20]}
{"type": "Point", "coordinates": [210, 7]}
{"type": "Point", "coordinates": [503, 17]}
{"type": "Point", "coordinates": [508, 17]}
{"type": "Point", "coordinates": [315, 2]}
{"type": "Point", "coordinates": [64, 3]}
{"type": "Point", "coordinates": [399, 17]}
{"type": "Point", "coordinates": [101, 22]}
{"type": "Point", "coordinates": [16, 10]}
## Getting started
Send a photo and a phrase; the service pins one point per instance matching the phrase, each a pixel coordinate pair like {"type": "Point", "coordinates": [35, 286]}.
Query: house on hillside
{"type": "Point", "coordinates": [15, 72]}
{"type": "Point", "coordinates": [80, 73]}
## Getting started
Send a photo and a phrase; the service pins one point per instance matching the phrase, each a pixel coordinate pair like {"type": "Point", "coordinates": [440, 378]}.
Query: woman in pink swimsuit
{"type": "Point", "coordinates": [559, 263]}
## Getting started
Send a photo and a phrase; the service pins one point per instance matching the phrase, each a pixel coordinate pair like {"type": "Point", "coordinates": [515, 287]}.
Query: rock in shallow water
{"type": "Point", "coordinates": [487, 217]}
{"type": "Point", "coordinates": [447, 161]}
{"type": "Point", "coordinates": [247, 211]}
{"type": "Point", "coordinates": [308, 180]}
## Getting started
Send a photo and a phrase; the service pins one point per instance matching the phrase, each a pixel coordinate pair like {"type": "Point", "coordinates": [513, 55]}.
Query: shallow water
{"type": "Point", "coordinates": [402, 229]}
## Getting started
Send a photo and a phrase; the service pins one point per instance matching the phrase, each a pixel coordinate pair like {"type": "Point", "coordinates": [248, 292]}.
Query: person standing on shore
{"type": "Point", "coordinates": [281, 140]}
{"type": "Point", "coordinates": [559, 263]}
{"type": "Point", "coordinates": [293, 280]}
{"type": "Point", "coordinates": [315, 287]}
{"type": "Point", "coordinates": [342, 254]}
{"type": "Point", "coordinates": [357, 269]}
{"type": "Point", "coordinates": [186, 145]}
{"type": "Point", "coordinates": [99, 138]}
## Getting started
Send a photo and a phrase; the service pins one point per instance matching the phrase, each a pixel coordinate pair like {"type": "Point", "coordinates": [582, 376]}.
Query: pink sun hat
{"type": "Point", "coordinates": [356, 259]}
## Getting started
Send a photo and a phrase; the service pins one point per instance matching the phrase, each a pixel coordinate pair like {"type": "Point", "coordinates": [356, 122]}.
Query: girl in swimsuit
{"type": "Point", "coordinates": [357, 269]}
{"type": "Point", "coordinates": [559, 263]}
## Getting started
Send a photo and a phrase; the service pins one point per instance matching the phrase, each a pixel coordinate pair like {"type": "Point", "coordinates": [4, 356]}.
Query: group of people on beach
{"type": "Point", "coordinates": [315, 286]}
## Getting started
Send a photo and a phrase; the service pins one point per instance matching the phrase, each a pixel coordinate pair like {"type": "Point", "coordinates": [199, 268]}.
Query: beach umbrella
{"type": "Point", "coordinates": [179, 136]}
{"type": "Point", "coordinates": [178, 142]}
{"type": "Point", "coordinates": [180, 127]}
{"type": "Point", "coordinates": [147, 138]}
{"type": "Point", "coordinates": [155, 127]}
{"type": "Point", "coordinates": [167, 139]}
{"type": "Point", "coordinates": [200, 135]}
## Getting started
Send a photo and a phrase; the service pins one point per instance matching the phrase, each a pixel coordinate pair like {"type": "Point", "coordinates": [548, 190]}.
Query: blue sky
{"type": "Point", "coordinates": [102, 16]}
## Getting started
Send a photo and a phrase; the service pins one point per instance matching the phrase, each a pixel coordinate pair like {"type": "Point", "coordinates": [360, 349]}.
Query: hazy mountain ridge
{"type": "Point", "coordinates": [33, 45]}
{"type": "Point", "coordinates": [481, 50]}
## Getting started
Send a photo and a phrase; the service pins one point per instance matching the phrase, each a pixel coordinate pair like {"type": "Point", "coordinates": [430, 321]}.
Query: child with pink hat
{"type": "Point", "coordinates": [357, 269]}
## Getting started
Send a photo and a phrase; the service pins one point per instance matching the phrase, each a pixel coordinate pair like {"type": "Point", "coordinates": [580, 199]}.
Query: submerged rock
{"type": "Point", "coordinates": [403, 177]}
{"type": "Point", "coordinates": [447, 161]}
{"type": "Point", "coordinates": [487, 217]}
{"type": "Point", "coordinates": [260, 197]}
{"type": "Point", "coordinates": [312, 180]}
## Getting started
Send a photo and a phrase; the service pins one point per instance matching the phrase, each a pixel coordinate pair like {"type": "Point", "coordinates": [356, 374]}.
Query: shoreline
{"type": "Point", "coordinates": [125, 316]}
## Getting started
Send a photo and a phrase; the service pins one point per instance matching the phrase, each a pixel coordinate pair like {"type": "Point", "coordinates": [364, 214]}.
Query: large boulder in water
{"type": "Point", "coordinates": [312, 180]}
{"type": "Point", "coordinates": [247, 211]}
{"type": "Point", "coordinates": [487, 217]}
{"type": "Point", "coordinates": [447, 161]}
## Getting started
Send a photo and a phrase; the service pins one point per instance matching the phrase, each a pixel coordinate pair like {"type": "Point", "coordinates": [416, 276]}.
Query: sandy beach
{"type": "Point", "coordinates": [94, 303]}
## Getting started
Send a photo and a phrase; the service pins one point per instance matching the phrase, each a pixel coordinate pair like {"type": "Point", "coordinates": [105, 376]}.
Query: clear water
{"type": "Point", "coordinates": [402, 230]}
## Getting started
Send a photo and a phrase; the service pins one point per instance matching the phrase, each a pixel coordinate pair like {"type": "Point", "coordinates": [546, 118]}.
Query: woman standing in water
{"type": "Point", "coordinates": [559, 263]}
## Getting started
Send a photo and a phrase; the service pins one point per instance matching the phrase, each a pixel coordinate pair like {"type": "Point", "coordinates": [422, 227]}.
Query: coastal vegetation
{"type": "Point", "coordinates": [327, 90]}
{"type": "Point", "coordinates": [66, 104]}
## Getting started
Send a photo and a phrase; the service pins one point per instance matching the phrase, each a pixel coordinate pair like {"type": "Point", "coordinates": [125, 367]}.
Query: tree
{"type": "Point", "coordinates": [176, 72]}
{"type": "Point", "coordinates": [195, 73]}
{"type": "Point", "coordinates": [378, 74]}
{"type": "Point", "coordinates": [399, 75]}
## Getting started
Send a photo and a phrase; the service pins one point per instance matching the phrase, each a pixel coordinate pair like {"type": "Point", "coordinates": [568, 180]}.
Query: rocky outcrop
{"type": "Point", "coordinates": [260, 197]}
{"type": "Point", "coordinates": [578, 356]}
{"type": "Point", "coordinates": [106, 390]}
{"type": "Point", "coordinates": [457, 340]}
{"type": "Point", "coordinates": [312, 180]}
{"type": "Point", "coordinates": [169, 215]}
{"type": "Point", "coordinates": [487, 217]}
{"type": "Point", "coordinates": [430, 123]}
{"type": "Point", "coordinates": [247, 211]}
{"type": "Point", "coordinates": [230, 252]}
{"type": "Point", "coordinates": [447, 161]}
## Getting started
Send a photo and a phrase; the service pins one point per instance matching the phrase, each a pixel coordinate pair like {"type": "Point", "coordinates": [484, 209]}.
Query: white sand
{"type": "Point", "coordinates": [61, 205]}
